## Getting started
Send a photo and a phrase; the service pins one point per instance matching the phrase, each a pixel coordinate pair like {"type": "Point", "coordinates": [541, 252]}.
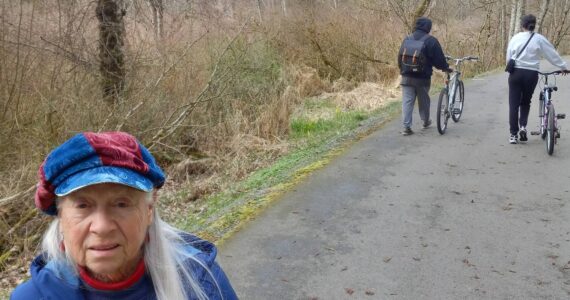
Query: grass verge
{"type": "Point", "coordinates": [315, 142]}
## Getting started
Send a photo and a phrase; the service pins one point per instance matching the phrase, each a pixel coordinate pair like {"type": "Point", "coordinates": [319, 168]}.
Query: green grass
{"type": "Point", "coordinates": [342, 121]}
{"type": "Point", "coordinates": [315, 142]}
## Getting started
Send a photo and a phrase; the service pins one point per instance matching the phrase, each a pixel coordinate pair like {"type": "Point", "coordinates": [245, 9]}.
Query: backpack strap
{"type": "Point", "coordinates": [423, 38]}
{"type": "Point", "coordinates": [524, 47]}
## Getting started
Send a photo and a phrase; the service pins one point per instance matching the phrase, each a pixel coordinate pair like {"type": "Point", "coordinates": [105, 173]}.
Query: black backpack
{"type": "Point", "coordinates": [411, 58]}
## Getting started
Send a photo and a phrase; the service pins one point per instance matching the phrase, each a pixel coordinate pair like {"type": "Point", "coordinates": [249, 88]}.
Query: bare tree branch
{"type": "Point", "coordinates": [74, 58]}
{"type": "Point", "coordinates": [174, 125]}
{"type": "Point", "coordinates": [159, 79]}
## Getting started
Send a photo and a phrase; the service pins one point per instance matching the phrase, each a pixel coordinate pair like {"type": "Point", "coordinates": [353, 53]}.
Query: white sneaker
{"type": "Point", "coordinates": [522, 133]}
{"type": "Point", "coordinates": [513, 139]}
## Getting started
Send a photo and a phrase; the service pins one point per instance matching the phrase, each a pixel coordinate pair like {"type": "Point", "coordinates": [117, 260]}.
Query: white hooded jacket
{"type": "Point", "coordinates": [538, 47]}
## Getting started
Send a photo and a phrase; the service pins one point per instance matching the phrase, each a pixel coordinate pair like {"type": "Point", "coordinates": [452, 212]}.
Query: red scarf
{"type": "Point", "coordinates": [113, 286]}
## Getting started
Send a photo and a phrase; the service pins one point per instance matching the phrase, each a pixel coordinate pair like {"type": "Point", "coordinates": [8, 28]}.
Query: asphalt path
{"type": "Point", "coordinates": [465, 215]}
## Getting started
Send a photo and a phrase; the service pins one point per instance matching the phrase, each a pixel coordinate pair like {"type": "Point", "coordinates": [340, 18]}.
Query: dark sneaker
{"type": "Point", "coordinates": [407, 131]}
{"type": "Point", "coordinates": [426, 124]}
{"type": "Point", "coordinates": [522, 134]}
{"type": "Point", "coordinates": [513, 139]}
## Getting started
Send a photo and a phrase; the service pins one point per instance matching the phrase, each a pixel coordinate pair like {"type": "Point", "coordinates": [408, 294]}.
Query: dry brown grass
{"type": "Point", "coordinates": [366, 97]}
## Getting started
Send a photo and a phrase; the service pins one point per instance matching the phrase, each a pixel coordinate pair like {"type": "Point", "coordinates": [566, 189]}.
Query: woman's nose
{"type": "Point", "coordinates": [102, 222]}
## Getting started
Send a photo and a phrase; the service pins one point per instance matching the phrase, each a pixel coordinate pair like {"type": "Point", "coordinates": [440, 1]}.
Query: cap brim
{"type": "Point", "coordinates": [104, 174]}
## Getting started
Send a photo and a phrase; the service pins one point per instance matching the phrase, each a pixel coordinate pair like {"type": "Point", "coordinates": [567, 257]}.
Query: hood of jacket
{"type": "Point", "coordinates": [423, 24]}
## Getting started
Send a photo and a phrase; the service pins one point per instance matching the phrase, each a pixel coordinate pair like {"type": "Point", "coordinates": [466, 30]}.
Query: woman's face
{"type": "Point", "coordinates": [104, 227]}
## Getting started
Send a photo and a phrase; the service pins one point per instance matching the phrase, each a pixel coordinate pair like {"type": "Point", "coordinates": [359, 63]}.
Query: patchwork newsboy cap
{"type": "Point", "coordinates": [91, 158]}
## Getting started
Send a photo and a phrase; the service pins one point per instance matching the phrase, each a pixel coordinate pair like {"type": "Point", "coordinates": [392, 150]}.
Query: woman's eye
{"type": "Point", "coordinates": [123, 204]}
{"type": "Point", "coordinates": [81, 205]}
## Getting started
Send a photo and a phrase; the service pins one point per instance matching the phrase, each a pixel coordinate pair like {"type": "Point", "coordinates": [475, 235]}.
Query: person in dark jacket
{"type": "Point", "coordinates": [107, 240]}
{"type": "Point", "coordinates": [418, 85]}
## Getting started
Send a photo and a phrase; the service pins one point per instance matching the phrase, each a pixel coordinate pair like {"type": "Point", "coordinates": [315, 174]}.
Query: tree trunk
{"type": "Point", "coordinates": [542, 15]}
{"type": "Point", "coordinates": [284, 7]}
{"type": "Point", "coordinates": [157, 7]}
{"type": "Point", "coordinates": [112, 62]}
{"type": "Point", "coordinates": [260, 10]}
{"type": "Point", "coordinates": [518, 15]}
{"type": "Point", "coordinates": [513, 23]}
{"type": "Point", "coordinates": [421, 9]}
{"type": "Point", "coordinates": [502, 26]}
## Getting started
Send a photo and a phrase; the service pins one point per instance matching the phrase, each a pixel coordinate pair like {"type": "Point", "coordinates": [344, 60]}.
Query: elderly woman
{"type": "Point", "coordinates": [107, 240]}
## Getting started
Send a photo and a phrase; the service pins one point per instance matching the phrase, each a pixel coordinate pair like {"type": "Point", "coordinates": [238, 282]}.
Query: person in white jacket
{"type": "Point", "coordinates": [523, 80]}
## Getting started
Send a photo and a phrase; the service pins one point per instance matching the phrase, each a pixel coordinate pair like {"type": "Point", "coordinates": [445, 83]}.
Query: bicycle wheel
{"type": "Point", "coordinates": [442, 112]}
{"type": "Point", "coordinates": [458, 102]}
{"type": "Point", "coordinates": [550, 134]}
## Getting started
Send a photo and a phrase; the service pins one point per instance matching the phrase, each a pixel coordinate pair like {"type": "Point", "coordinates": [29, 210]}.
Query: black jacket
{"type": "Point", "coordinates": [434, 53]}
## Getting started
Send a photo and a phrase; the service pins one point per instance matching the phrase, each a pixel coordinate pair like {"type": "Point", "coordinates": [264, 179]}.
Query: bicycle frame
{"type": "Point", "coordinates": [453, 79]}
{"type": "Point", "coordinates": [545, 103]}
{"type": "Point", "coordinates": [451, 83]}
{"type": "Point", "coordinates": [548, 129]}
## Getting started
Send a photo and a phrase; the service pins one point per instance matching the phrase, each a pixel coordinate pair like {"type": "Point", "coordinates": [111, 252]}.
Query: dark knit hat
{"type": "Point", "coordinates": [91, 158]}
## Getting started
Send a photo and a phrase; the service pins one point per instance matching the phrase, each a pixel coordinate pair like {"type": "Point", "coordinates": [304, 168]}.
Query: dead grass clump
{"type": "Point", "coordinates": [343, 85]}
{"type": "Point", "coordinates": [308, 81]}
{"type": "Point", "coordinates": [274, 120]}
{"type": "Point", "coordinates": [191, 167]}
{"type": "Point", "coordinates": [250, 153]}
{"type": "Point", "coordinates": [367, 96]}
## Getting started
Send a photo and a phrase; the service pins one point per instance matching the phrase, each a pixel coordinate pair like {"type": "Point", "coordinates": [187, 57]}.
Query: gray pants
{"type": "Point", "coordinates": [412, 88]}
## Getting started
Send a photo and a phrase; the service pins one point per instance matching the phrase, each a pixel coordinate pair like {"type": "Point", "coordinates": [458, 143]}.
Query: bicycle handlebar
{"type": "Point", "coordinates": [475, 58]}
{"type": "Point", "coordinates": [558, 72]}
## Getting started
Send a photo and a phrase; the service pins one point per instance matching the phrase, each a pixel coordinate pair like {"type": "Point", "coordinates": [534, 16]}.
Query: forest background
{"type": "Point", "coordinates": [217, 89]}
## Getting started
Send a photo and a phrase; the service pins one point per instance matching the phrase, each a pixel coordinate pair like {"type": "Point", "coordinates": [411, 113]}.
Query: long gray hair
{"type": "Point", "coordinates": [165, 257]}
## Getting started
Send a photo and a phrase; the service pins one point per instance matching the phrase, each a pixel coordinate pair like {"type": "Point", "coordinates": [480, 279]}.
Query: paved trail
{"type": "Point", "coordinates": [459, 216]}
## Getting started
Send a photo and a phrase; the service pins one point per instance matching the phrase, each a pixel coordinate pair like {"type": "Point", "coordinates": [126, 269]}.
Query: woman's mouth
{"type": "Point", "coordinates": [106, 247]}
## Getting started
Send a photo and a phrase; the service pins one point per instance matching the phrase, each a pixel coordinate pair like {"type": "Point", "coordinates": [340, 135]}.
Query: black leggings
{"type": "Point", "coordinates": [521, 86]}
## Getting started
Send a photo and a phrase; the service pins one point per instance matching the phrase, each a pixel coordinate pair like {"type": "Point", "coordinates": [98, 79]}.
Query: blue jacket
{"type": "Point", "coordinates": [433, 51]}
{"type": "Point", "coordinates": [51, 282]}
